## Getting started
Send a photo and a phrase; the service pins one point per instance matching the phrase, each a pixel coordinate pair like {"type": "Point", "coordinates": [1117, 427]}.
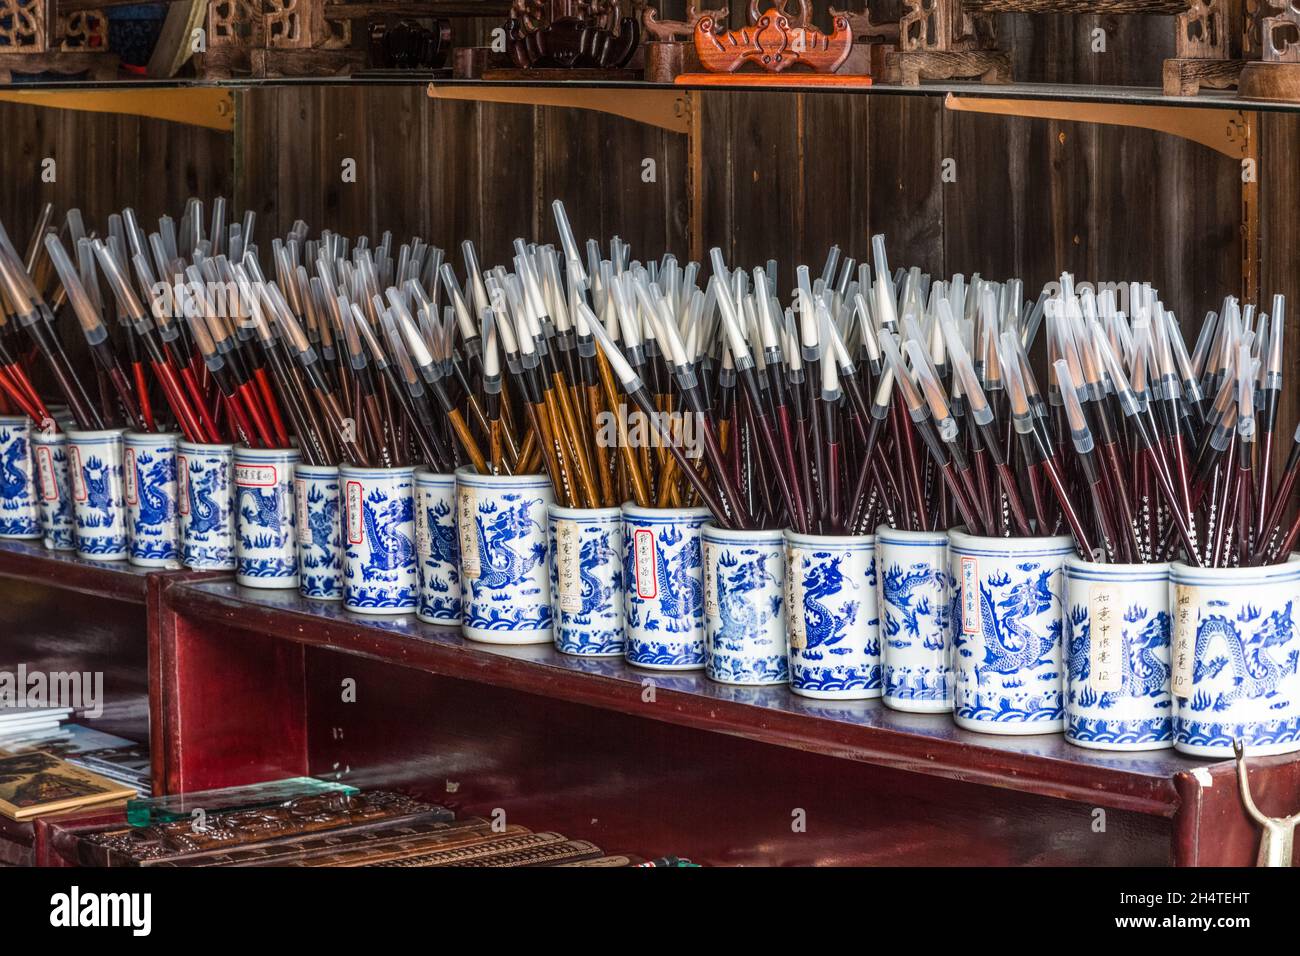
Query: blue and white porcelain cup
{"type": "Point", "coordinates": [266, 547]}
{"type": "Point", "coordinates": [1117, 656]}
{"type": "Point", "coordinates": [1235, 656]}
{"type": "Point", "coordinates": [1008, 599]}
{"type": "Point", "coordinates": [379, 562]}
{"type": "Point", "coordinates": [205, 501]}
{"type": "Point", "coordinates": [834, 625]}
{"type": "Point", "coordinates": [149, 476]}
{"type": "Point", "coordinates": [319, 532]}
{"type": "Point", "coordinates": [744, 606]}
{"type": "Point", "coordinates": [504, 573]}
{"type": "Point", "coordinates": [663, 620]}
{"type": "Point", "coordinates": [438, 548]}
{"type": "Point", "coordinates": [20, 510]}
{"type": "Point", "coordinates": [586, 549]}
{"type": "Point", "coordinates": [54, 485]}
{"type": "Point", "coordinates": [98, 493]}
{"type": "Point", "coordinates": [915, 607]}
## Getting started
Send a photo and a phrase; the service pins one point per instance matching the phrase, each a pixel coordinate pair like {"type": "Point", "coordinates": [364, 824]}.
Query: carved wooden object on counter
{"type": "Point", "coordinates": [1276, 74]}
{"type": "Point", "coordinates": [670, 44]}
{"type": "Point", "coordinates": [573, 34]}
{"type": "Point", "coordinates": [269, 38]}
{"type": "Point", "coordinates": [1214, 40]}
{"type": "Point", "coordinates": [33, 40]}
{"type": "Point", "coordinates": [774, 41]}
{"type": "Point", "coordinates": [942, 40]}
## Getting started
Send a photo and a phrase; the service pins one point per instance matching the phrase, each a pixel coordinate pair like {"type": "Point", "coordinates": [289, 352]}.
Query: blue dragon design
{"type": "Point", "coordinates": [205, 513]}
{"type": "Point", "coordinates": [501, 565]}
{"type": "Point", "coordinates": [1254, 672]}
{"type": "Point", "coordinates": [443, 547]}
{"type": "Point", "coordinates": [595, 593]}
{"type": "Point", "coordinates": [898, 587]}
{"type": "Point", "coordinates": [95, 475]}
{"type": "Point", "coordinates": [322, 522]}
{"type": "Point", "coordinates": [13, 480]}
{"type": "Point", "coordinates": [155, 506]}
{"type": "Point", "coordinates": [1009, 646]}
{"type": "Point", "coordinates": [1143, 673]}
{"type": "Point", "coordinates": [389, 548]}
{"type": "Point", "coordinates": [825, 629]}
{"type": "Point", "coordinates": [680, 593]}
{"type": "Point", "coordinates": [740, 617]}
{"type": "Point", "coordinates": [265, 510]}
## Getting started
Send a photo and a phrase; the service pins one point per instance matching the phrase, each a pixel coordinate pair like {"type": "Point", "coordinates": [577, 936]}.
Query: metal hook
{"type": "Point", "coordinates": [1278, 839]}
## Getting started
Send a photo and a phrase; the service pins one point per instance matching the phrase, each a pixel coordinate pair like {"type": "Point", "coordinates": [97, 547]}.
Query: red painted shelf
{"type": "Point", "coordinates": [863, 731]}
{"type": "Point", "coordinates": [32, 562]}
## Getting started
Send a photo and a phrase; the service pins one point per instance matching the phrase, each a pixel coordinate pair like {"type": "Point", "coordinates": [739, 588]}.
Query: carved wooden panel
{"type": "Point", "coordinates": [1280, 31]}
{"type": "Point", "coordinates": [24, 26]}
{"type": "Point", "coordinates": [942, 25]}
{"type": "Point", "coordinates": [83, 31]}
{"type": "Point", "coordinates": [332, 34]}
{"type": "Point", "coordinates": [773, 41]}
{"type": "Point", "coordinates": [289, 23]}
{"type": "Point", "coordinates": [235, 23]}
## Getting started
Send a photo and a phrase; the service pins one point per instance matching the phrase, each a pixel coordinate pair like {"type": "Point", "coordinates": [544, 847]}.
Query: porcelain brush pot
{"type": "Point", "coordinates": [149, 472]}
{"type": "Point", "coordinates": [379, 562]}
{"type": "Point", "coordinates": [1117, 656]}
{"type": "Point", "coordinates": [915, 606]}
{"type": "Point", "coordinates": [205, 502]}
{"type": "Point", "coordinates": [834, 625]}
{"type": "Point", "coordinates": [664, 587]}
{"type": "Point", "coordinates": [1235, 658]}
{"type": "Point", "coordinates": [54, 485]}
{"type": "Point", "coordinates": [20, 510]}
{"type": "Point", "coordinates": [318, 532]}
{"type": "Point", "coordinates": [98, 495]}
{"type": "Point", "coordinates": [586, 547]}
{"type": "Point", "coordinates": [266, 546]}
{"type": "Point", "coordinates": [438, 548]}
{"type": "Point", "coordinates": [744, 606]}
{"type": "Point", "coordinates": [1006, 632]}
{"type": "Point", "coordinates": [504, 572]}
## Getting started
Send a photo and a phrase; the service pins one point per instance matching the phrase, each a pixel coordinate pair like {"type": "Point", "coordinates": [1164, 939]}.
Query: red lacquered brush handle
{"type": "Point", "coordinates": [199, 412]}
{"type": "Point", "coordinates": [180, 407]}
{"type": "Point", "coordinates": [142, 393]}
{"type": "Point", "coordinates": [268, 396]}
{"type": "Point", "coordinates": [248, 395]}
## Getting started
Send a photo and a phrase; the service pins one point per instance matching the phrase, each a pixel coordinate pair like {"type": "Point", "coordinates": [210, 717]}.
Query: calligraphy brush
{"type": "Point", "coordinates": [637, 391]}
{"type": "Point", "coordinates": [30, 311]}
{"type": "Point", "coordinates": [95, 331]}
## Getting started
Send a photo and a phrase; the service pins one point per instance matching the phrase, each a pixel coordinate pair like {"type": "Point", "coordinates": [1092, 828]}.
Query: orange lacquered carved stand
{"type": "Point", "coordinates": [775, 42]}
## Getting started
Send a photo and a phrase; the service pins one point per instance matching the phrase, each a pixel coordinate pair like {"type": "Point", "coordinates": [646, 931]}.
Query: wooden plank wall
{"type": "Point", "coordinates": [782, 176]}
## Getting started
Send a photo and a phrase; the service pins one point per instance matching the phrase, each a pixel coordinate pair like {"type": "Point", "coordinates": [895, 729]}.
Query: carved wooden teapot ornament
{"type": "Point", "coordinates": [774, 41]}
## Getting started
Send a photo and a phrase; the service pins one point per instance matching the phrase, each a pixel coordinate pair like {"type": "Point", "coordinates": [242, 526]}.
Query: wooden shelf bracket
{"type": "Point", "coordinates": [1233, 133]}
{"type": "Point", "coordinates": [665, 109]}
{"type": "Point", "coordinates": [208, 107]}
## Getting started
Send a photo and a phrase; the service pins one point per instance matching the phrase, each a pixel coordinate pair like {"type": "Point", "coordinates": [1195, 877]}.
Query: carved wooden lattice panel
{"type": "Point", "coordinates": [24, 26]}
{"type": "Point", "coordinates": [333, 34]}
{"type": "Point", "coordinates": [83, 31]}
{"type": "Point", "coordinates": [234, 23]}
{"type": "Point", "coordinates": [289, 23]}
{"type": "Point", "coordinates": [1280, 31]}
{"type": "Point", "coordinates": [943, 25]}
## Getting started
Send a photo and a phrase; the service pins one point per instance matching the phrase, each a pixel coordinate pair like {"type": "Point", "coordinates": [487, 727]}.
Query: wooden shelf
{"type": "Point", "coordinates": [31, 562]}
{"type": "Point", "coordinates": [863, 731]}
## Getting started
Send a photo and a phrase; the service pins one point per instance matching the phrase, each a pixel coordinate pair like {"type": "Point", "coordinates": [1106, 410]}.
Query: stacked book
{"type": "Point", "coordinates": [116, 758]}
{"type": "Point", "coordinates": [34, 784]}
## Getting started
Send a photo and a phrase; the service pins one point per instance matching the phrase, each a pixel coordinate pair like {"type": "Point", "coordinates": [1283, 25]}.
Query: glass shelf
{"type": "Point", "coordinates": [1125, 95]}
